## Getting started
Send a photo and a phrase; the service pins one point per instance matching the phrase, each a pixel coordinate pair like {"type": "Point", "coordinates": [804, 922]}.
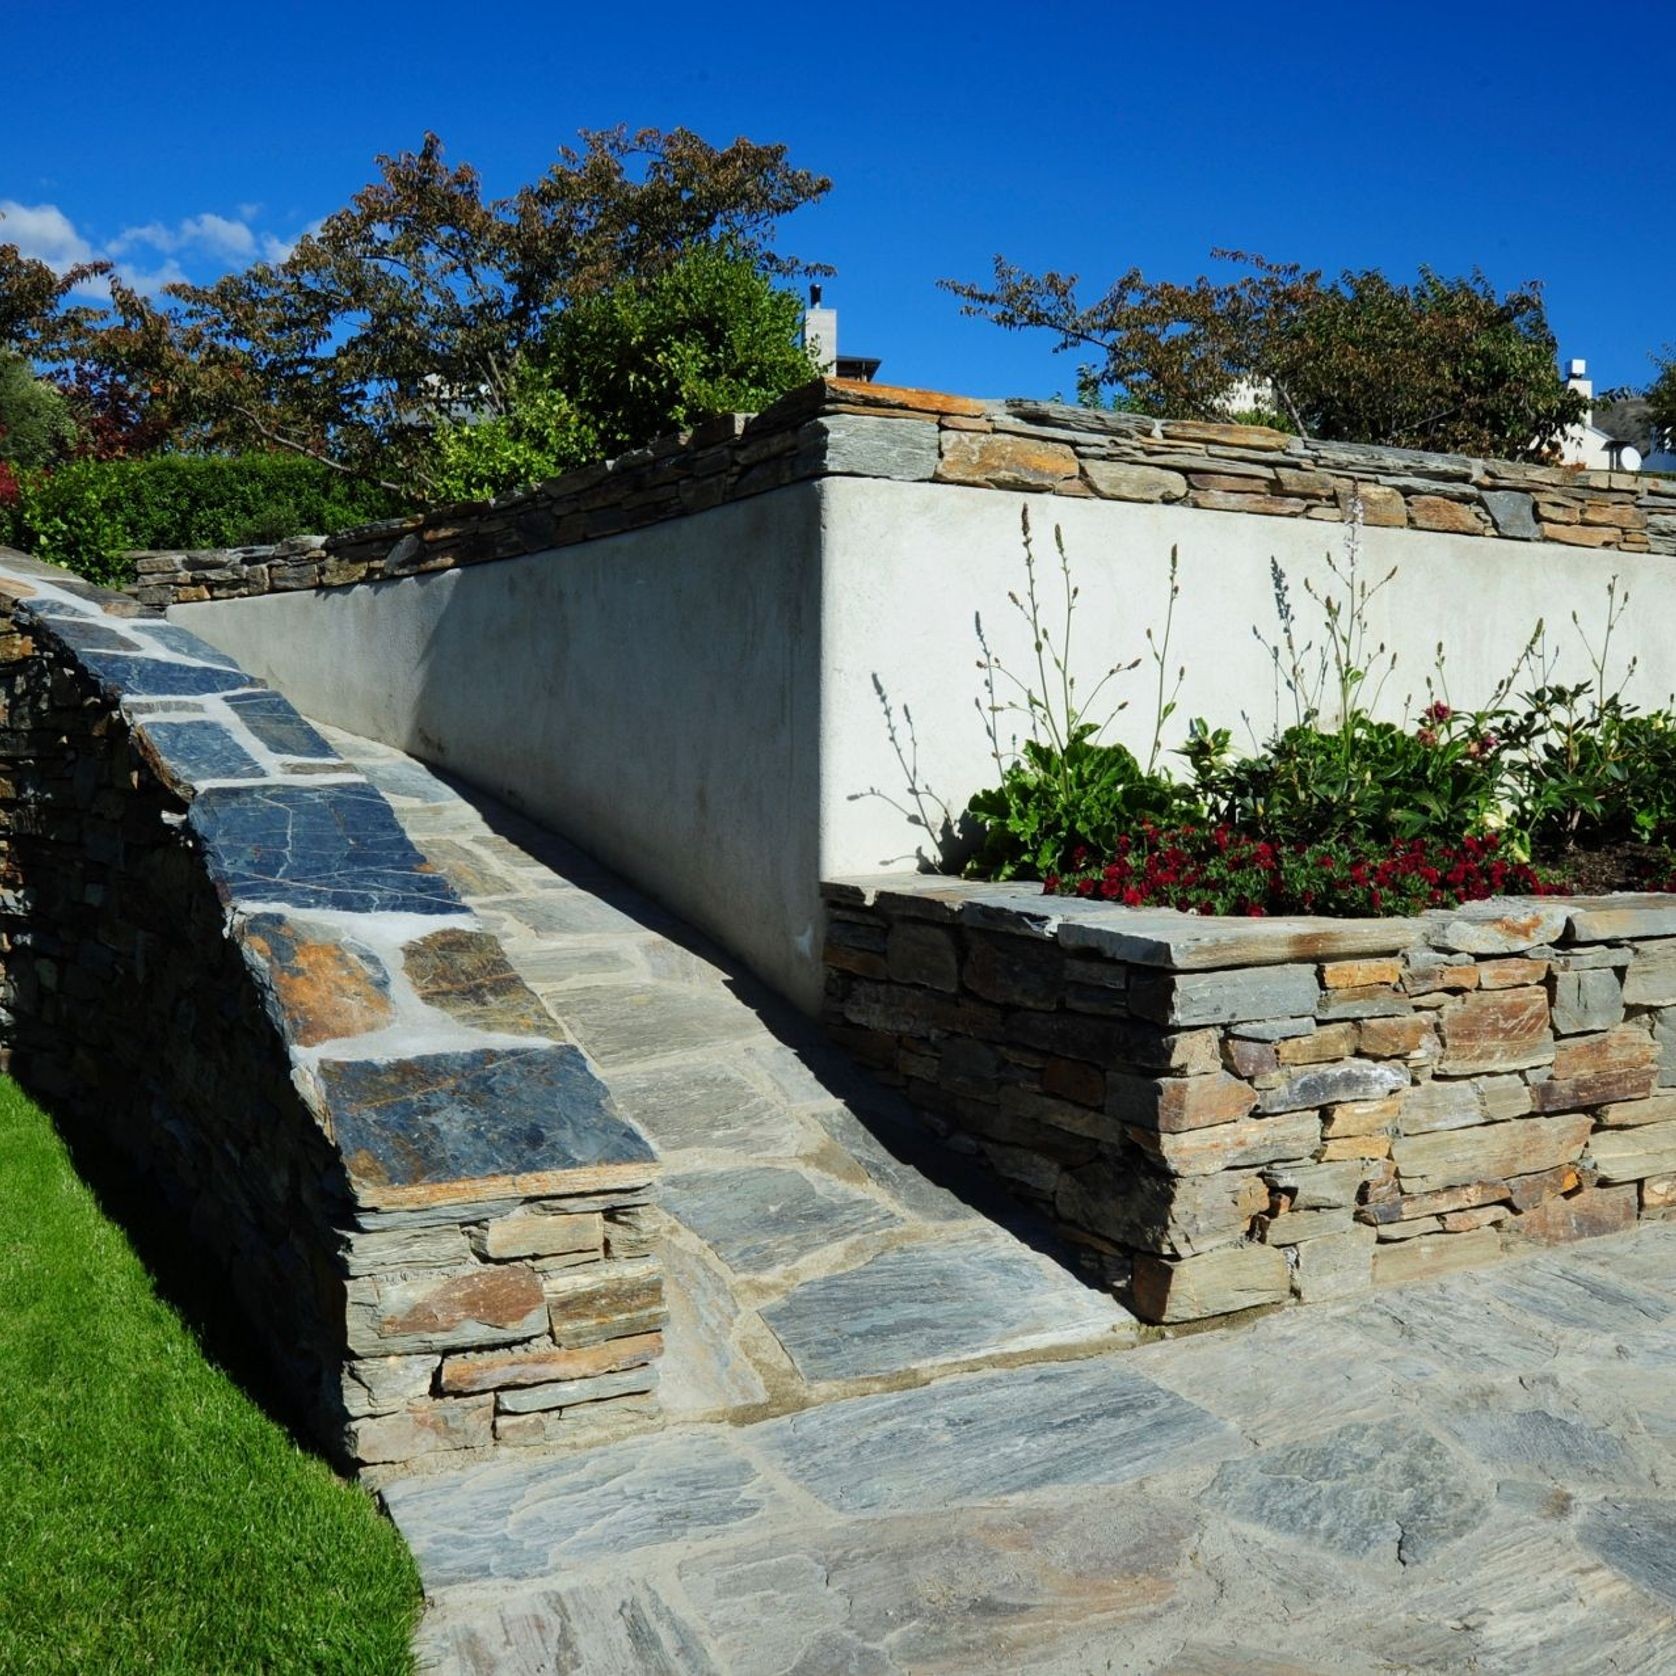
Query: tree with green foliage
{"type": "Point", "coordinates": [37, 427]}
{"type": "Point", "coordinates": [421, 302]}
{"type": "Point", "coordinates": [710, 333]}
{"type": "Point", "coordinates": [1661, 399]}
{"type": "Point", "coordinates": [1440, 363]}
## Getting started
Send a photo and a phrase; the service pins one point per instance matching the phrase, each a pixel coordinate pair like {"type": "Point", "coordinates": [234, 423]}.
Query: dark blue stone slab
{"type": "Point", "coordinates": [316, 847]}
{"type": "Point", "coordinates": [278, 726]}
{"type": "Point", "coordinates": [91, 634]}
{"type": "Point", "coordinates": [451, 1117]}
{"type": "Point", "coordinates": [192, 752]}
{"type": "Point", "coordinates": [128, 675]}
{"type": "Point", "coordinates": [56, 610]}
{"type": "Point", "coordinates": [172, 638]}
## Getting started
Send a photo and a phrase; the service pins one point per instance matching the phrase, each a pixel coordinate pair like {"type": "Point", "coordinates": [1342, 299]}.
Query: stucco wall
{"type": "Point", "coordinates": [908, 565]}
{"type": "Point", "coordinates": [695, 701]}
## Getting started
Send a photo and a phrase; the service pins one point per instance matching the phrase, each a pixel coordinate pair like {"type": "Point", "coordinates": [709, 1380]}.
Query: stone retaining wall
{"type": "Point", "coordinates": [835, 428]}
{"type": "Point", "coordinates": [224, 961]}
{"type": "Point", "coordinates": [1225, 1114]}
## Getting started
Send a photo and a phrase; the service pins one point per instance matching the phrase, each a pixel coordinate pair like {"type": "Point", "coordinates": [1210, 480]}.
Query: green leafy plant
{"type": "Point", "coordinates": [1061, 789]}
{"type": "Point", "coordinates": [1587, 768]}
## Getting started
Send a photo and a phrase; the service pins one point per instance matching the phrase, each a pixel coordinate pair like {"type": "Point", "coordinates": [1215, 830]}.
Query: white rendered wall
{"type": "Point", "coordinates": [907, 565]}
{"type": "Point", "coordinates": [694, 703]}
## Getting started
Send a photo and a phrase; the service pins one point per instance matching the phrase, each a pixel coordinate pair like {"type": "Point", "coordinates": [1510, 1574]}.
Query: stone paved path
{"type": "Point", "coordinates": [807, 1256]}
{"type": "Point", "coordinates": [897, 1446]}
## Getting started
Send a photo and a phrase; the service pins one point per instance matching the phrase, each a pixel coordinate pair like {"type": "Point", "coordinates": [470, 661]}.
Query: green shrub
{"type": "Point", "coordinates": [86, 515]}
{"type": "Point", "coordinates": [1051, 803]}
{"type": "Point", "coordinates": [1366, 779]}
{"type": "Point", "coordinates": [620, 368]}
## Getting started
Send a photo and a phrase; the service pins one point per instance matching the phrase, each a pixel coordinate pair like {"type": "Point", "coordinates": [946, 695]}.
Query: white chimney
{"type": "Point", "coordinates": [820, 333]}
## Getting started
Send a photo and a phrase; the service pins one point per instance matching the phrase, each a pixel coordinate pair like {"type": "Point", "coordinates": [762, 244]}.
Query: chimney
{"type": "Point", "coordinates": [1577, 378]}
{"type": "Point", "coordinates": [820, 333]}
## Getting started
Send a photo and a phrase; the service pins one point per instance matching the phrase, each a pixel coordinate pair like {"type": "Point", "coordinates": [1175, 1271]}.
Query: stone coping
{"type": "Point", "coordinates": [843, 428]}
{"type": "Point", "coordinates": [1182, 942]}
{"type": "Point", "coordinates": [419, 1051]}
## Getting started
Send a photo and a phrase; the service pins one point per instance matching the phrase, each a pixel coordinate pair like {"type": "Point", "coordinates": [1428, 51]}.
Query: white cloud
{"type": "Point", "coordinates": [215, 235]}
{"type": "Point", "coordinates": [45, 232]}
{"type": "Point", "coordinates": [219, 235]}
{"type": "Point", "coordinates": [198, 246]}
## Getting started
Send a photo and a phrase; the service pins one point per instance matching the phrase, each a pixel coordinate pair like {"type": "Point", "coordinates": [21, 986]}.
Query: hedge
{"type": "Point", "coordinates": [88, 515]}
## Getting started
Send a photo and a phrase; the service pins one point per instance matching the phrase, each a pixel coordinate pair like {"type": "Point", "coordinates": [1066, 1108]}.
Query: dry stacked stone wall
{"type": "Point", "coordinates": [225, 964]}
{"type": "Point", "coordinates": [837, 428]}
{"type": "Point", "coordinates": [1227, 1114]}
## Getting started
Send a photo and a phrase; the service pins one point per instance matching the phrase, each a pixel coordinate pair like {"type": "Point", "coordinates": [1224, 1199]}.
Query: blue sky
{"type": "Point", "coordinates": [1527, 140]}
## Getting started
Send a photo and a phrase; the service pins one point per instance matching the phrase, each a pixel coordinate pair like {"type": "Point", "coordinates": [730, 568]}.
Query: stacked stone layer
{"type": "Point", "coordinates": [225, 963]}
{"type": "Point", "coordinates": [1226, 1114]}
{"type": "Point", "coordinates": [835, 428]}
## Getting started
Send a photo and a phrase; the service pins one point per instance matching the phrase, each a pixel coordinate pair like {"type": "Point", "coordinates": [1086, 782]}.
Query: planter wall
{"type": "Point", "coordinates": [1224, 1114]}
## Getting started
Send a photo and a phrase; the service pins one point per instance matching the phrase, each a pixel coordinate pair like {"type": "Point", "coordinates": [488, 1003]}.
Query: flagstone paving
{"type": "Point", "coordinates": [813, 1243]}
{"type": "Point", "coordinates": [901, 1440]}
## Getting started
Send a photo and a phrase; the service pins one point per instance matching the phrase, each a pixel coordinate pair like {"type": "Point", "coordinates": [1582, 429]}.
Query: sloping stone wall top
{"type": "Point", "coordinates": [840, 428]}
{"type": "Point", "coordinates": [224, 960]}
{"type": "Point", "coordinates": [415, 1043]}
{"type": "Point", "coordinates": [1180, 942]}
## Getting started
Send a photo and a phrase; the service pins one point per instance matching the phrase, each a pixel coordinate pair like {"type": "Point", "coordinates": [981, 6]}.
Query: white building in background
{"type": "Point", "coordinates": [1616, 437]}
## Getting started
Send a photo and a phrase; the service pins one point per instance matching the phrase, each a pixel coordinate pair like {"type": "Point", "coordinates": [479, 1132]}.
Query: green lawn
{"type": "Point", "coordinates": [152, 1517]}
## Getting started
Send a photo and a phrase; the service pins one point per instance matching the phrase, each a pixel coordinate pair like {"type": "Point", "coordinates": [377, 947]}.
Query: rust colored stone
{"type": "Point", "coordinates": [1433, 512]}
{"type": "Point", "coordinates": [1396, 1038]}
{"type": "Point", "coordinates": [1173, 1105]}
{"type": "Point", "coordinates": [1342, 1147]}
{"type": "Point", "coordinates": [1627, 1048]}
{"type": "Point", "coordinates": [1544, 1184]}
{"type": "Point", "coordinates": [1331, 1041]}
{"type": "Point", "coordinates": [1511, 974]}
{"type": "Point", "coordinates": [1005, 462]}
{"type": "Point", "coordinates": [325, 989]}
{"type": "Point", "coordinates": [857, 392]}
{"type": "Point", "coordinates": [498, 1297]}
{"type": "Point", "coordinates": [1496, 1030]}
{"type": "Point", "coordinates": [1358, 974]}
{"type": "Point", "coordinates": [1582, 1215]}
{"type": "Point", "coordinates": [1362, 1117]}
{"type": "Point", "coordinates": [1259, 438]}
{"type": "Point", "coordinates": [1578, 535]}
{"type": "Point", "coordinates": [1382, 506]}
{"type": "Point", "coordinates": [496, 1369]}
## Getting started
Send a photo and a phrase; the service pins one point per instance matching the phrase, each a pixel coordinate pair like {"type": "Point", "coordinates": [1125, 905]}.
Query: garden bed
{"type": "Point", "coordinates": [1224, 1113]}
